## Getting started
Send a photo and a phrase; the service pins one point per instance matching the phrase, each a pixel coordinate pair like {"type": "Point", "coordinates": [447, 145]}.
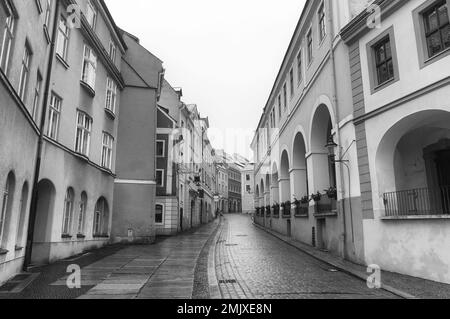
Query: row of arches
{"type": "Point", "coordinates": [13, 234]}
{"type": "Point", "coordinates": [74, 215]}
{"type": "Point", "coordinates": [303, 170]}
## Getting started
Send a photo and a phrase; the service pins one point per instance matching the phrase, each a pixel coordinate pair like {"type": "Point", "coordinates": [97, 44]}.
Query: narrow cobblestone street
{"type": "Point", "coordinates": [250, 263]}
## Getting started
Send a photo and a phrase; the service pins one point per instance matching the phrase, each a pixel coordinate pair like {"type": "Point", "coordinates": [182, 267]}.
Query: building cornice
{"type": "Point", "coordinates": [358, 26]}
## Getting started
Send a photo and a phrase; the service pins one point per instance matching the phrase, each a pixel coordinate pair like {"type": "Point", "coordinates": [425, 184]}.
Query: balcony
{"type": "Point", "coordinates": [418, 203]}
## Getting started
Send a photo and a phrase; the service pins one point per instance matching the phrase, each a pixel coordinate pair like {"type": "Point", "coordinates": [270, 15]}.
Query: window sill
{"type": "Point", "coordinates": [381, 86]}
{"type": "Point", "coordinates": [3, 252]}
{"type": "Point", "coordinates": [302, 216]}
{"type": "Point", "coordinates": [436, 57]}
{"type": "Point", "coordinates": [88, 88]}
{"type": "Point", "coordinates": [110, 114]}
{"type": "Point", "coordinates": [416, 217]}
{"type": "Point", "coordinates": [62, 61]}
{"type": "Point", "coordinates": [82, 156]}
{"type": "Point", "coordinates": [18, 248]}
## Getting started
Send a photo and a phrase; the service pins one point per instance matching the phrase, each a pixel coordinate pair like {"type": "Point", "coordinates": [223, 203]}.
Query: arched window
{"type": "Point", "coordinates": [68, 212]}
{"type": "Point", "coordinates": [82, 214]}
{"type": "Point", "coordinates": [21, 228]}
{"type": "Point", "coordinates": [101, 218]}
{"type": "Point", "coordinates": [5, 213]}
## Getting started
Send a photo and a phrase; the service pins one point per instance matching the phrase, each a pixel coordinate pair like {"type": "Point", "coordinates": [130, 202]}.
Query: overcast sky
{"type": "Point", "coordinates": [224, 54]}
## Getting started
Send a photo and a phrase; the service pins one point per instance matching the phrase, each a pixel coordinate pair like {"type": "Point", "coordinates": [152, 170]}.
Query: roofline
{"type": "Point", "coordinates": [299, 23]}
{"type": "Point", "coordinates": [116, 29]}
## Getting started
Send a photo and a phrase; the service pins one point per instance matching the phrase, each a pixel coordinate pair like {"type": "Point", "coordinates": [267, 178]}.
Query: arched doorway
{"type": "Point", "coordinates": [413, 165]}
{"type": "Point", "coordinates": [300, 170]}
{"type": "Point", "coordinates": [324, 170]}
{"type": "Point", "coordinates": [44, 221]}
{"type": "Point", "coordinates": [101, 219]}
{"type": "Point", "coordinates": [285, 180]}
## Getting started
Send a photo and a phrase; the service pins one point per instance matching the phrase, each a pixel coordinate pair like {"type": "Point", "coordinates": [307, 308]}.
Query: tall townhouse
{"type": "Point", "coordinates": [25, 29]}
{"type": "Point", "coordinates": [234, 188]}
{"type": "Point", "coordinates": [304, 144]}
{"type": "Point", "coordinates": [400, 75]}
{"type": "Point", "coordinates": [207, 192]}
{"type": "Point", "coordinates": [168, 192]}
{"type": "Point", "coordinates": [248, 189]}
{"type": "Point", "coordinates": [222, 185]}
{"type": "Point", "coordinates": [76, 180]}
{"type": "Point", "coordinates": [135, 211]}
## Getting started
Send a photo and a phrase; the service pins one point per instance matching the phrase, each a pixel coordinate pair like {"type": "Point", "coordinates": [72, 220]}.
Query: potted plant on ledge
{"type": "Point", "coordinates": [287, 209]}
{"type": "Point", "coordinates": [276, 210]}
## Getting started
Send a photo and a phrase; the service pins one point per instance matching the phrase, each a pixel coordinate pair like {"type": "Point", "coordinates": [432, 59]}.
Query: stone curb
{"type": "Point", "coordinates": [214, 291]}
{"type": "Point", "coordinates": [356, 274]}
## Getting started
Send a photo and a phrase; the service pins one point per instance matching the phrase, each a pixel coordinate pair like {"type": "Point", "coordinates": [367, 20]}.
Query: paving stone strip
{"type": "Point", "coordinates": [164, 270]}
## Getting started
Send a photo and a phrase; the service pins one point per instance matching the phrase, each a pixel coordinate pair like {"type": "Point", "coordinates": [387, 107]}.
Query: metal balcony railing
{"type": "Point", "coordinates": [418, 202]}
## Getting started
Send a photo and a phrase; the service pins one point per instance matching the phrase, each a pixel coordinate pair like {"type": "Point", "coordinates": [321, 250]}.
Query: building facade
{"type": "Point", "coordinates": [248, 189]}
{"type": "Point", "coordinates": [222, 186]}
{"type": "Point", "coordinates": [402, 121]}
{"type": "Point", "coordinates": [234, 189]}
{"type": "Point", "coordinates": [352, 147]}
{"type": "Point", "coordinates": [302, 187]}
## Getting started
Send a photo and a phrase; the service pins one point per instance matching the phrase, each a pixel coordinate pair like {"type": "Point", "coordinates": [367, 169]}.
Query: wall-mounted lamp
{"type": "Point", "coordinates": [331, 146]}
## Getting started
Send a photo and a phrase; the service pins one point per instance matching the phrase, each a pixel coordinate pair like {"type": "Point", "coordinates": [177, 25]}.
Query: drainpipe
{"type": "Point", "coordinates": [37, 169]}
{"type": "Point", "coordinates": [338, 135]}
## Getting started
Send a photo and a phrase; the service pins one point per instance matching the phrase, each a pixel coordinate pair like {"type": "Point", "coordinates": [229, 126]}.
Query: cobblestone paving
{"type": "Point", "coordinates": [253, 264]}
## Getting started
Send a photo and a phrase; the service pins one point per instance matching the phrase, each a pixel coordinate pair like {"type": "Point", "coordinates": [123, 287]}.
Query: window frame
{"type": "Point", "coordinates": [309, 46]}
{"type": "Point", "coordinates": [92, 9]}
{"type": "Point", "coordinates": [25, 68]}
{"type": "Point", "coordinates": [164, 149]}
{"type": "Point", "coordinates": [51, 111]}
{"type": "Point", "coordinates": [81, 220]}
{"type": "Point", "coordinates": [322, 22]}
{"type": "Point", "coordinates": [8, 35]}
{"type": "Point", "coordinates": [67, 219]}
{"type": "Point", "coordinates": [162, 177]}
{"type": "Point", "coordinates": [111, 101]}
{"type": "Point", "coordinates": [419, 28]}
{"type": "Point", "coordinates": [162, 214]}
{"type": "Point", "coordinates": [89, 64]}
{"type": "Point", "coordinates": [65, 36]}
{"type": "Point", "coordinates": [86, 133]}
{"type": "Point", "coordinates": [371, 62]}
{"type": "Point", "coordinates": [107, 151]}
{"type": "Point", "coordinates": [37, 95]}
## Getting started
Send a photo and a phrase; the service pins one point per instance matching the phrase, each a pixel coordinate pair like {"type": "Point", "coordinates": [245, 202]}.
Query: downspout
{"type": "Point", "coordinates": [37, 169]}
{"type": "Point", "coordinates": [338, 135]}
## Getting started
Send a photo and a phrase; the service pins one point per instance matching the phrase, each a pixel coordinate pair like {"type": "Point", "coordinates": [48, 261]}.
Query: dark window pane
{"type": "Point", "coordinates": [431, 22]}
{"type": "Point", "coordinates": [446, 36]}
{"type": "Point", "coordinates": [159, 214]}
{"type": "Point", "coordinates": [388, 50]}
{"type": "Point", "coordinates": [443, 15]}
{"type": "Point", "coordinates": [434, 43]}
{"type": "Point", "coordinates": [390, 69]}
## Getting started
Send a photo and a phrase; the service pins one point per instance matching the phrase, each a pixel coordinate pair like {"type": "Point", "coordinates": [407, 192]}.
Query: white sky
{"type": "Point", "coordinates": [224, 54]}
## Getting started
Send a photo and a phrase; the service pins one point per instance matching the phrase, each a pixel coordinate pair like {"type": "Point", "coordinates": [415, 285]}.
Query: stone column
{"type": "Point", "coordinates": [299, 181]}
{"type": "Point", "coordinates": [285, 189]}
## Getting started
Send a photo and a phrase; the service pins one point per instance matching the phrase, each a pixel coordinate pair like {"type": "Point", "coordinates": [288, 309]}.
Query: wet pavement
{"type": "Point", "coordinates": [252, 264]}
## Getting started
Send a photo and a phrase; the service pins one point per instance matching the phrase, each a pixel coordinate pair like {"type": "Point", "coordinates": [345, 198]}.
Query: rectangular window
{"type": "Point", "coordinates": [383, 61]}
{"type": "Point", "coordinates": [91, 14]}
{"type": "Point", "coordinates": [107, 151]}
{"type": "Point", "coordinates": [299, 67]}
{"type": "Point", "coordinates": [160, 148]}
{"type": "Point", "coordinates": [63, 38]}
{"type": "Point", "coordinates": [322, 22]}
{"type": "Point", "coordinates": [309, 41]}
{"type": "Point", "coordinates": [37, 96]}
{"type": "Point", "coordinates": [159, 214]}
{"type": "Point", "coordinates": [89, 67]}
{"type": "Point", "coordinates": [437, 28]}
{"type": "Point", "coordinates": [24, 73]}
{"type": "Point", "coordinates": [83, 135]}
{"type": "Point", "coordinates": [285, 96]}
{"type": "Point", "coordinates": [160, 178]}
{"type": "Point", "coordinates": [54, 113]}
{"type": "Point", "coordinates": [291, 81]}
{"type": "Point", "coordinates": [8, 37]}
{"type": "Point", "coordinates": [279, 106]}
{"type": "Point", "coordinates": [247, 177]}
{"type": "Point", "coordinates": [112, 51]}
{"type": "Point", "coordinates": [111, 95]}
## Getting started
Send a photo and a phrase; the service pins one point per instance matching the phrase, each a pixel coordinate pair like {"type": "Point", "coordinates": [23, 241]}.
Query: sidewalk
{"type": "Point", "coordinates": [401, 285]}
{"type": "Point", "coordinates": [164, 270]}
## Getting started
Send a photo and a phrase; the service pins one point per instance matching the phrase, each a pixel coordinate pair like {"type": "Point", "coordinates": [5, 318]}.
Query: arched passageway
{"type": "Point", "coordinates": [299, 173]}
{"type": "Point", "coordinates": [285, 182]}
